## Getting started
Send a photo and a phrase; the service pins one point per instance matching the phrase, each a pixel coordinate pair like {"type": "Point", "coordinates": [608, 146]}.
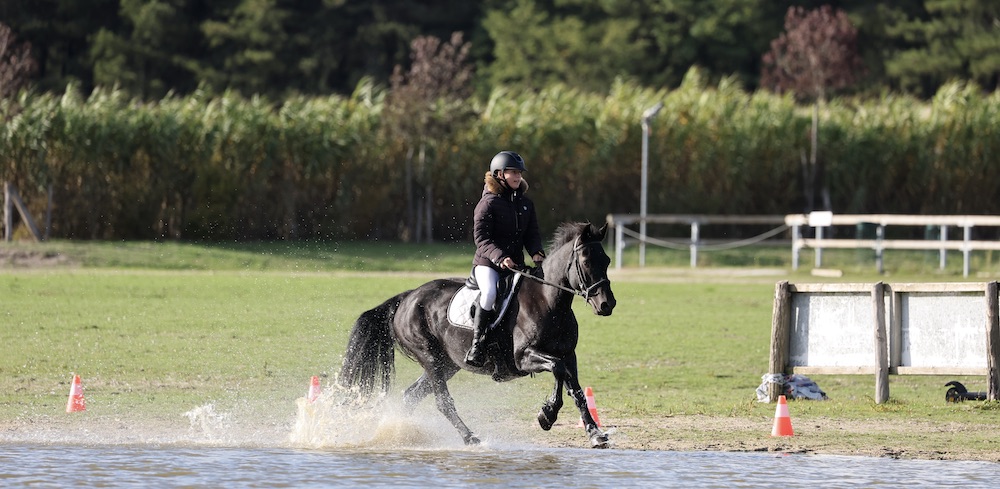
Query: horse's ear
{"type": "Point", "coordinates": [603, 231]}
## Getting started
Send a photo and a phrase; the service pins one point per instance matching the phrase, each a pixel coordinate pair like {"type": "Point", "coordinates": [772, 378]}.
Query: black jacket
{"type": "Point", "coordinates": [505, 223]}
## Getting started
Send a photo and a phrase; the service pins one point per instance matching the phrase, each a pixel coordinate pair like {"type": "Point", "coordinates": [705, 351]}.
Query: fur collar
{"type": "Point", "coordinates": [493, 185]}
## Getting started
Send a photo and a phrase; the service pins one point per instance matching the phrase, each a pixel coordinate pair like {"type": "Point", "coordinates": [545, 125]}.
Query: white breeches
{"type": "Point", "coordinates": [487, 278]}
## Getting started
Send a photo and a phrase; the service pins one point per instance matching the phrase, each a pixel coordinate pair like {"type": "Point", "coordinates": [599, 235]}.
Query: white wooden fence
{"type": "Point", "coordinates": [823, 221]}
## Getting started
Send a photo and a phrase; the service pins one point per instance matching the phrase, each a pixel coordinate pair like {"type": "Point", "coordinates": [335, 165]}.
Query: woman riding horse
{"type": "Point", "coordinates": [504, 225]}
{"type": "Point", "coordinates": [544, 332]}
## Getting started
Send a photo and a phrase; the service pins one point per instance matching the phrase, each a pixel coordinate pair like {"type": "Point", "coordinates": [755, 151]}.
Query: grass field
{"type": "Point", "coordinates": [156, 329]}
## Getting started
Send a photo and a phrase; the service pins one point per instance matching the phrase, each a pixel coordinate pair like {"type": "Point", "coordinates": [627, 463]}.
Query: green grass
{"type": "Point", "coordinates": [161, 328]}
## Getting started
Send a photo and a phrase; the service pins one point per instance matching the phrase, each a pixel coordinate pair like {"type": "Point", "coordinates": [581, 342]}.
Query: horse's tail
{"type": "Point", "coordinates": [369, 361]}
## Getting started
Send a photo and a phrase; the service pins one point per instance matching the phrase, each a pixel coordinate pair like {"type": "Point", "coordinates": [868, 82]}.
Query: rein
{"type": "Point", "coordinates": [585, 292]}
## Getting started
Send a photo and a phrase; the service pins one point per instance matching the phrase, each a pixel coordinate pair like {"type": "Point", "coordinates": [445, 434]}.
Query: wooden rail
{"type": "Point", "coordinates": [820, 221]}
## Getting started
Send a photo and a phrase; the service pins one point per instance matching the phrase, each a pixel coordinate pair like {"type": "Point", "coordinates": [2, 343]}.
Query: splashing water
{"type": "Point", "coordinates": [206, 421]}
{"type": "Point", "coordinates": [337, 420]}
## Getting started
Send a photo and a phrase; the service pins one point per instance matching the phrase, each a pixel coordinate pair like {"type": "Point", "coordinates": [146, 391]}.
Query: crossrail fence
{"type": "Point", "coordinates": [821, 222]}
{"type": "Point", "coordinates": [882, 329]}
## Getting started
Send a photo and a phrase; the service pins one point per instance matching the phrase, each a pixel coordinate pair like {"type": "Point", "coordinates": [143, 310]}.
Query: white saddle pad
{"type": "Point", "coordinates": [462, 306]}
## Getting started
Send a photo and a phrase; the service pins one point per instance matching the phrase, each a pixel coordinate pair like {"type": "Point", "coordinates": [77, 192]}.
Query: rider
{"type": "Point", "coordinates": [505, 224]}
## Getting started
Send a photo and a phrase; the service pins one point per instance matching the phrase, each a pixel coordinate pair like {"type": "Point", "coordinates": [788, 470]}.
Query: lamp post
{"type": "Point", "coordinates": [646, 117]}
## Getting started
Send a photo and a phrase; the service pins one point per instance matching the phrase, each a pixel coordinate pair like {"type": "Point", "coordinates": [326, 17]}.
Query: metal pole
{"type": "Point", "coordinates": [642, 193]}
{"type": "Point", "coordinates": [646, 117]}
{"type": "Point", "coordinates": [619, 244]}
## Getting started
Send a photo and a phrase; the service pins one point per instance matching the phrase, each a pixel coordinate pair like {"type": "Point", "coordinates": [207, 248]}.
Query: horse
{"type": "Point", "coordinates": [540, 323]}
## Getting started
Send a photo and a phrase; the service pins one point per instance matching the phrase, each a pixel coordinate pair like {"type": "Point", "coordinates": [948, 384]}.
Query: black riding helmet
{"type": "Point", "coordinates": [506, 160]}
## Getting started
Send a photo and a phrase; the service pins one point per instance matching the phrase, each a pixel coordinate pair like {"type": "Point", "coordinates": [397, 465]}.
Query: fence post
{"type": "Point", "coordinates": [992, 343]}
{"type": "Point", "coordinates": [943, 253]}
{"type": "Point", "coordinates": [695, 236]}
{"type": "Point", "coordinates": [778, 360]}
{"type": "Point", "coordinates": [818, 249]}
{"type": "Point", "coordinates": [796, 246]}
{"type": "Point", "coordinates": [879, 236]}
{"type": "Point", "coordinates": [966, 236]}
{"type": "Point", "coordinates": [881, 345]}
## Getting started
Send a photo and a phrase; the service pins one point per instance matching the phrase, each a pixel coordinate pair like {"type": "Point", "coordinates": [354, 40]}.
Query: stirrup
{"type": "Point", "coordinates": [476, 357]}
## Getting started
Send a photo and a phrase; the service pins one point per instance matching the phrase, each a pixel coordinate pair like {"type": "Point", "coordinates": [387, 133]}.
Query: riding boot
{"type": "Point", "coordinates": [477, 354]}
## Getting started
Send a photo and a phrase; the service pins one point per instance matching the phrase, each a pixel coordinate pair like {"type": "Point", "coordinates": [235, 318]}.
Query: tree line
{"type": "Point", "coordinates": [278, 48]}
{"type": "Point", "coordinates": [244, 142]}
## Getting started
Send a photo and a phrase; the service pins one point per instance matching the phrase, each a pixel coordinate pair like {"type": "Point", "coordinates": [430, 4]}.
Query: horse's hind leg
{"type": "Point", "coordinates": [423, 386]}
{"type": "Point", "coordinates": [446, 404]}
{"type": "Point", "coordinates": [417, 391]}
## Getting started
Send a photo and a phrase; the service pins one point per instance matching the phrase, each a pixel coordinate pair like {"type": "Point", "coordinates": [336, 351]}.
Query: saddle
{"type": "Point", "coordinates": [463, 304]}
{"type": "Point", "coordinates": [499, 344]}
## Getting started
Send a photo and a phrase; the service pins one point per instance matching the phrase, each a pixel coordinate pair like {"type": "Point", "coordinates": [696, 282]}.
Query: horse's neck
{"type": "Point", "coordinates": [557, 270]}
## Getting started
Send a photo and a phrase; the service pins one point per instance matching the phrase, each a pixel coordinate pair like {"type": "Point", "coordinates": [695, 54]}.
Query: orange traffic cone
{"type": "Point", "coordinates": [314, 390]}
{"type": "Point", "coordinates": [75, 402]}
{"type": "Point", "coordinates": [782, 422]}
{"type": "Point", "coordinates": [591, 405]}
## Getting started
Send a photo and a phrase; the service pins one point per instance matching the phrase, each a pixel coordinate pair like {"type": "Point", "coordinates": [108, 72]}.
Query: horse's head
{"type": "Point", "coordinates": [588, 272]}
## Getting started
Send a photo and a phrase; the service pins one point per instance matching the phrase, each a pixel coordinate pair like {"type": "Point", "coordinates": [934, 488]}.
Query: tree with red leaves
{"type": "Point", "coordinates": [424, 106]}
{"type": "Point", "coordinates": [815, 56]}
{"type": "Point", "coordinates": [16, 64]}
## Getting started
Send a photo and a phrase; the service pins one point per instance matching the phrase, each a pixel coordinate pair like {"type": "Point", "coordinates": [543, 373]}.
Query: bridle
{"type": "Point", "coordinates": [584, 291]}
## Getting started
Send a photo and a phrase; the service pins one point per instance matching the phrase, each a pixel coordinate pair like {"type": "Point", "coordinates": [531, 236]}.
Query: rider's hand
{"type": "Point", "coordinates": [508, 263]}
{"type": "Point", "coordinates": [538, 258]}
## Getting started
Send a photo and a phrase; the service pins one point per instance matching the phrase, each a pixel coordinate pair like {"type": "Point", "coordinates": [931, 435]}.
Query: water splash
{"type": "Point", "coordinates": [337, 419]}
{"type": "Point", "coordinates": [206, 421]}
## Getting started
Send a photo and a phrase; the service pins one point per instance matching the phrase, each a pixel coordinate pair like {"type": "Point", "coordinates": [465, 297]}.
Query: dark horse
{"type": "Point", "coordinates": [541, 322]}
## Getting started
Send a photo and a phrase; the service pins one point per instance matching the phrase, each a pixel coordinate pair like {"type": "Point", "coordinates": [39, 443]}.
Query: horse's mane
{"type": "Point", "coordinates": [567, 232]}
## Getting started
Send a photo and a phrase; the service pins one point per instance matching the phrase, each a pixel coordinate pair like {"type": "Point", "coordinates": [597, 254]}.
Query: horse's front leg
{"type": "Point", "coordinates": [550, 410]}
{"type": "Point", "coordinates": [598, 439]}
{"type": "Point", "coordinates": [535, 361]}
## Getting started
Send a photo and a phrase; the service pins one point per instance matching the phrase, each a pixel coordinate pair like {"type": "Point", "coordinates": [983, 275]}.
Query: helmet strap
{"type": "Point", "coordinates": [498, 176]}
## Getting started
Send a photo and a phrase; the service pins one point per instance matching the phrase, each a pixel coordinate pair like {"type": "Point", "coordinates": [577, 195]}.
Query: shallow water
{"type": "Point", "coordinates": [330, 444]}
{"type": "Point", "coordinates": [201, 466]}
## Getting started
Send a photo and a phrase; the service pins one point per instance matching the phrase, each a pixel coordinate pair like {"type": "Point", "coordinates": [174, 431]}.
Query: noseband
{"type": "Point", "coordinates": [584, 291]}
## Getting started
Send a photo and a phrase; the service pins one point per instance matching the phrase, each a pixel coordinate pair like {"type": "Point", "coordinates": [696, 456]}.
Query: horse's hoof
{"type": "Point", "coordinates": [472, 440]}
{"type": "Point", "coordinates": [599, 440]}
{"type": "Point", "coordinates": [545, 421]}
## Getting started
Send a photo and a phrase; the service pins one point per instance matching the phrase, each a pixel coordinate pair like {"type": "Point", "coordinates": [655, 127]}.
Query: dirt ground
{"type": "Point", "coordinates": [31, 259]}
{"type": "Point", "coordinates": [909, 440]}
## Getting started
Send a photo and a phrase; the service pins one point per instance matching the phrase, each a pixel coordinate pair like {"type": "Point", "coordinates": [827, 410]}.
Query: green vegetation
{"type": "Point", "coordinates": [158, 329]}
{"type": "Point", "coordinates": [229, 168]}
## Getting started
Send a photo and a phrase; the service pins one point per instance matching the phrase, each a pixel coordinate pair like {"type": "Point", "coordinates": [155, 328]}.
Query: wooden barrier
{"type": "Point", "coordinates": [882, 329]}
{"type": "Point", "coordinates": [11, 201]}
